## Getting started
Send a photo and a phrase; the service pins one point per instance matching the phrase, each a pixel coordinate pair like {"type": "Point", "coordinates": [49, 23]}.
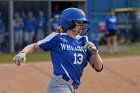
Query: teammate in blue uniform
{"type": "Point", "coordinates": [29, 27]}
{"type": "Point", "coordinates": [40, 25]}
{"type": "Point", "coordinates": [70, 52]}
{"type": "Point", "coordinates": [18, 31]}
{"type": "Point", "coordinates": [55, 23]}
{"type": "Point", "coordinates": [111, 32]}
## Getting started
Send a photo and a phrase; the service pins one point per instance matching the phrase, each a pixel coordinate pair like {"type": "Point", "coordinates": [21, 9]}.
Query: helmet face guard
{"type": "Point", "coordinates": [72, 14]}
{"type": "Point", "coordinates": [85, 30]}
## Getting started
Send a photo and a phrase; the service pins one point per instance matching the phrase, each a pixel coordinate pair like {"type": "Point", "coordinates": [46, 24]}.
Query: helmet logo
{"type": "Point", "coordinates": [64, 40]}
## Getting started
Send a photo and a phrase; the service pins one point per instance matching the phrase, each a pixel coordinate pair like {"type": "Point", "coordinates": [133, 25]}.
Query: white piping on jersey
{"type": "Point", "coordinates": [48, 38]}
{"type": "Point", "coordinates": [65, 71]}
{"type": "Point", "coordinates": [63, 33]}
{"type": "Point", "coordinates": [78, 37]}
{"type": "Point", "coordinates": [86, 38]}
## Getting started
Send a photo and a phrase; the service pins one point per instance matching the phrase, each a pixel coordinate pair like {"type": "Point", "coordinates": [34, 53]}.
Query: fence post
{"type": "Point", "coordinates": [11, 26]}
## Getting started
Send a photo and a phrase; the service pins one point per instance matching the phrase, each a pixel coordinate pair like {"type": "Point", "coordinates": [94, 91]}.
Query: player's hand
{"type": "Point", "coordinates": [20, 57]}
{"type": "Point", "coordinates": [92, 47]}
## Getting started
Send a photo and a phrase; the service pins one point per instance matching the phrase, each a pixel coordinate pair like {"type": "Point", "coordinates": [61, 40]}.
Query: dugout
{"type": "Point", "coordinates": [4, 15]}
{"type": "Point", "coordinates": [97, 11]}
{"type": "Point", "coordinates": [9, 7]}
{"type": "Point", "coordinates": [128, 24]}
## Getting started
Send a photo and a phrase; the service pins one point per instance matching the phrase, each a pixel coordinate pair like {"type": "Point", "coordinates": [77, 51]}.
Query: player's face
{"type": "Point", "coordinates": [79, 27]}
{"type": "Point", "coordinates": [111, 13]}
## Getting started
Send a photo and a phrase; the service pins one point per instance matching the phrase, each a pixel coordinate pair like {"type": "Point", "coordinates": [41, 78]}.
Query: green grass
{"type": "Point", "coordinates": [46, 56]}
{"type": "Point", "coordinates": [122, 53]}
{"type": "Point", "coordinates": [8, 58]}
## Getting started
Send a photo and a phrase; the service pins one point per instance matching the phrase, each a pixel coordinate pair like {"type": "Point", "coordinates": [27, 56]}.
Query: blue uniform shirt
{"type": "Point", "coordinates": [69, 55]}
{"type": "Point", "coordinates": [54, 25]}
{"type": "Point", "coordinates": [1, 26]}
{"type": "Point", "coordinates": [29, 25]}
{"type": "Point", "coordinates": [111, 23]}
{"type": "Point", "coordinates": [40, 23]}
{"type": "Point", "coordinates": [18, 24]}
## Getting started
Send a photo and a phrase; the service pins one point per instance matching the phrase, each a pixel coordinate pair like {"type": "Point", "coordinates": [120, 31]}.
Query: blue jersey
{"type": "Point", "coordinates": [40, 23]}
{"type": "Point", "coordinates": [29, 25]}
{"type": "Point", "coordinates": [54, 25]}
{"type": "Point", "coordinates": [69, 55]}
{"type": "Point", "coordinates": [18, 24]}
{"type": "Point", "coordinates": [111, 23]}
{"type": "Point", "coordinates": [1, 26]}
{"type": "Point", "coordinates": [24, 18]}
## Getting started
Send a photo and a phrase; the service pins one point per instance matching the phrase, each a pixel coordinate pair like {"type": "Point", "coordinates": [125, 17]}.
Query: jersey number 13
{"type": "Point", "coordinates": [78, 58]}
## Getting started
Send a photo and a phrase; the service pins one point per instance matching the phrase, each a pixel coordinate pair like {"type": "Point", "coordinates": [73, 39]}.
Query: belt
{"type": "Point", "coordinates": [70, 81]}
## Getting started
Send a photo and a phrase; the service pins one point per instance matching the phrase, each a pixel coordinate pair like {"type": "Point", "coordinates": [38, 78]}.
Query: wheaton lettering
{"type": "Point", "coordinates": [73, 48]}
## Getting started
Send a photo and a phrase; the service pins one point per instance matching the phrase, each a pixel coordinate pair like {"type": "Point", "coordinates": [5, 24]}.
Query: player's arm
{"type": "Point", "coordinates": [31, 48]}
{"type": "Point", "coordinates": [95, 60]}
{"type": "Point", "coordinates": [21, 56]}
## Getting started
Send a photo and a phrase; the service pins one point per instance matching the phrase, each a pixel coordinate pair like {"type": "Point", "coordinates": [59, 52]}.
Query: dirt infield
{"type": "Point", "coordinates": [120, 75]}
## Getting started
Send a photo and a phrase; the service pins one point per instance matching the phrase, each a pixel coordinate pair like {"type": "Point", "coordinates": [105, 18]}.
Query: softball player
{"type": "Point", "coordinates": [111, 32]}
{"type": "Point", "coordinates": [69, 51]}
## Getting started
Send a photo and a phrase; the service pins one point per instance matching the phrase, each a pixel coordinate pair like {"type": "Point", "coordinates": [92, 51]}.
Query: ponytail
{"type": "Point", "coordinates": [60, 30]}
